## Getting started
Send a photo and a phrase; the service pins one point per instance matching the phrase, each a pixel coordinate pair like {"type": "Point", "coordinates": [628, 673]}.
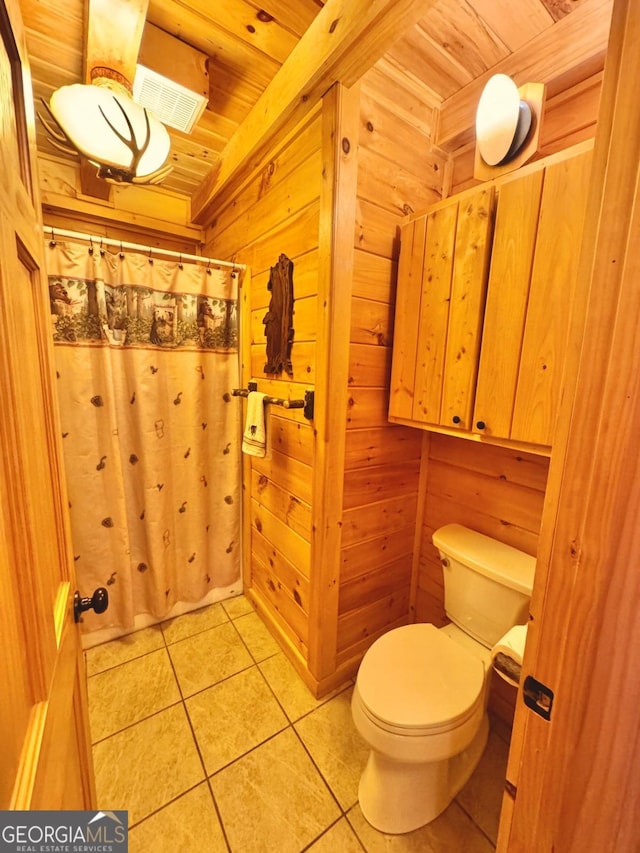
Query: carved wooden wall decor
{"type": "Point", "coordinates": [278, 321]}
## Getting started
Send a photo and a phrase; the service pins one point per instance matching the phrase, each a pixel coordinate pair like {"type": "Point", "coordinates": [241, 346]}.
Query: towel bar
{"type": "Point", "coordinates": [306, 404]}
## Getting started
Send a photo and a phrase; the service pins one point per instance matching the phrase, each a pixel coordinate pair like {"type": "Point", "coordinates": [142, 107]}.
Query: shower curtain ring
{"type": "Point", "coordinates": [234, 271]}
{"type": "Point", "coordinates": [90, 246]}
{"type": "Point", "coordinates": [209, 267]}
{"type": "Point", "coordinates": [180, 264]}
{"type": "Point", "coordinates": [52, 241]}
{"type": "Point", "coordinates": [150, 258]}
{"type": "Point", "coordinates": [101, 249]}
{"type": "Point", "coordinates": [121, 253]}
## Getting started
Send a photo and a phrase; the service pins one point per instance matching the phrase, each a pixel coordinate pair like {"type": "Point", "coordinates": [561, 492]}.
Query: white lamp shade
{"type": "Point", "coordinates": [497, 118]}
{"type": "Point", "coordinates": [85, 113]}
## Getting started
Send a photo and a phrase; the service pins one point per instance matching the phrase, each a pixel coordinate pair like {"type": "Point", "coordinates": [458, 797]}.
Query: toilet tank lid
{"type": "Point", "coordinates": [489, 557]}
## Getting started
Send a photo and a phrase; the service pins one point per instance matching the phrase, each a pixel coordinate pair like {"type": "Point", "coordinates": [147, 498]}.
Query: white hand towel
{"type": "Point", "coordinates": [508, 652]}
{"type": "Point", "coordinates": [254, 438]}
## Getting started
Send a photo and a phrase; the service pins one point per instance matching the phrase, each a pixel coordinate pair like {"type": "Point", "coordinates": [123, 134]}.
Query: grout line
{"type": "Point", "coordinates": [218, 813]}
{"type": "Point", "coordinates": [199, 751]}
{"type": "Point", "coordinates": [290, 724]}
{"type": "Point", "coordinates": [214, 683]}
{"type": "Point", "coordinates": [136, 722]}
{"type": "Point", "coordinates": [195, 633]}
{"type": "Point", "coordinates": [320, 773]}
{"type": "Point", "coordinates": [164, 805]}
{"type": "Point", "coordinates": [325, 831]}
{"type": "Point", "coordinates": [248, 752]}
{"type": "Point", "coordinates": [473, 821]}
{"type": "Point", "coordinates": [123, 662]}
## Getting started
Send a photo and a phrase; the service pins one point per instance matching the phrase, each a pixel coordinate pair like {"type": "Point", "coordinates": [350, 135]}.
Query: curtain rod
{"type": "Point", "coordinates": [88, 238]}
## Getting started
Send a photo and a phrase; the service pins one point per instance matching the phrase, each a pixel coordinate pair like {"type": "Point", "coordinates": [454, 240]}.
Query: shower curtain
{"type": "Point", "coordinates": [145, 356]}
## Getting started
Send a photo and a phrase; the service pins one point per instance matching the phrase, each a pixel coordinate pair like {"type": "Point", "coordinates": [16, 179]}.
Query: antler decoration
{"type": "Point", "coordinates": [112, 173]}
{"type": "Point", "coordinates": [111, 168]}
{"type": "Point", "coordinates": [57, 136]}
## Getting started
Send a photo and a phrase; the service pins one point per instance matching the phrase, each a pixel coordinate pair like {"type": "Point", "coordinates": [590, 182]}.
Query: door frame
{"type": "Point", "coordinates": [573, 775]}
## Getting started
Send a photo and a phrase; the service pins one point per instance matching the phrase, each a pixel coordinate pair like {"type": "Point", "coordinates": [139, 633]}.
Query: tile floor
{"type": "Point", "coordinates": [204, 732]}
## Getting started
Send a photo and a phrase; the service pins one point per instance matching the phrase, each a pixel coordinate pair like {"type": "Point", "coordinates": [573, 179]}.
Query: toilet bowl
{"type": "Point", "coordinates": [420, 698]}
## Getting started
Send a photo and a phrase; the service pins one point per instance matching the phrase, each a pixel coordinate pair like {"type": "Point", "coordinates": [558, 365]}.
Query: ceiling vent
{"type": "Point", "coordinates": [171, 103]}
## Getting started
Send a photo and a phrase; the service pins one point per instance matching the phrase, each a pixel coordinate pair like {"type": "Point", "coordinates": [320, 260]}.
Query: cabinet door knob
{"type": "Point", "coordinates": [481, 425]}
{"type": "Point", "coordinates": [456, 419]}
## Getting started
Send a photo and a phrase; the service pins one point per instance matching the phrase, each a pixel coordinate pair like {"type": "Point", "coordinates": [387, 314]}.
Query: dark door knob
{"type": "Point", "coordinates": [456, 419]}
{"type": "Point", "coordinates": [481, 425]}
{"type": "Point", "coordinates": [99, 602]}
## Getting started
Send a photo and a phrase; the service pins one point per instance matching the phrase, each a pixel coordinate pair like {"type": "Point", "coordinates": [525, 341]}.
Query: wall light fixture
{"type": "Point", "coordinates": [103, 123]}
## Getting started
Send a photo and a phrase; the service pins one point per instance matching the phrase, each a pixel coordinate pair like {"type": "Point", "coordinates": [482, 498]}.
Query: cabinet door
{"type": "Point", "coordinates": [474, 231]}
{"type": "Point", "coordinates": [434, 313]}
{"type": "Point", "coordinates": [562, 212]}
{"type": "Point", "coordinates": [405, 333]}
{"type": "Point", "coordinates": [442, 282]}
{"type": "Point", "coordinates": [514, 243]}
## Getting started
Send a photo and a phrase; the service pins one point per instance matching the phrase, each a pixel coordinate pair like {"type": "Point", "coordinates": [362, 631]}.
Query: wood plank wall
{"type": "Point", "coordinates": [570, 117]}
{"type": "Point", "coordinates": [135, 214]}
{"type": "Point", "coordinates": [397, 174]}
{"type": "Point", "coordinates": [495, 490]}
{"type": "Point", "coordinates": [276, 210]}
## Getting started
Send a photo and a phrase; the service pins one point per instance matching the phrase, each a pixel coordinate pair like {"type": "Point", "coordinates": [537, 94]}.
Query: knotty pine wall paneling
{"type": "Point", "coordinates": [397, 174]}
{"type": "Point", "coordinates": [336, 253]}
{"type": "Point", "coordinates": [494, 490]}
{"type": "Point", "coordinates": [274, 210]}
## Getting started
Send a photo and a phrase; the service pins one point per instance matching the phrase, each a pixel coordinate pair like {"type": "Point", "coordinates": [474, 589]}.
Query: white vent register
{"type": "Point", "coordinates": [171, 103]}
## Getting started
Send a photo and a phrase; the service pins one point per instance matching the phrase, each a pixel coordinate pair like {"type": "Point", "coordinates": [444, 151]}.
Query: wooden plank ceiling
{"type": "Point", "coordinates": [455, 44]}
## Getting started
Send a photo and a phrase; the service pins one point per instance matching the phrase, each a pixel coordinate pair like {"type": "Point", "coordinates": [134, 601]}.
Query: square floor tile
{"type": "Point", "coordinates": [189, 823]}
{"type": "Point", "coordinates": [194, 622]}
{"type": "Point", "coordinates": [207, 658]}
{"type": "Point", "coordinates": [291, 691]}
{"type": "Point", "coordinates": [130, 692]}
{"type": "Point", "coordinates": [452, 832]}
{"type": "Point", "coordinates": [234, 716]}
{"type": "Point", "coordinates": [336, 747]}
{"type": "Point", "coordinates": [144, 767]}
{"type": "Point", "coordinates": [273, 798]}
{"type": "Point", "coordinates": [237, 606]}
{"type": "Point", "coordinates": [339, 839]}
{"type": "Point", "coordinates": [481, 797]}
{"type": "Point", "coordinates": [123, 649]}
{"type": "Point", "coordinates": [256, 636]}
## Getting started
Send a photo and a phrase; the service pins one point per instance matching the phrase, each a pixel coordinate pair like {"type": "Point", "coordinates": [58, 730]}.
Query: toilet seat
{"type": "Point", "coordinates": [415, 680]}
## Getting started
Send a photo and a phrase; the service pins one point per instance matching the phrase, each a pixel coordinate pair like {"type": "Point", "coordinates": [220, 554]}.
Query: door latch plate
{"type": "Point", "coordinates": [537, 696]}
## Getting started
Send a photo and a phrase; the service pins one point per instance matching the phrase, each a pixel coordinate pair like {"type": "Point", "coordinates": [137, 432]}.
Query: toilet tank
{"type": "Point", "coordinates": [487, 584]}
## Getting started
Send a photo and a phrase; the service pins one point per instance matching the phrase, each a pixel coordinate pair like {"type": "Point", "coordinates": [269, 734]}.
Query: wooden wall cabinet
{"type": "Point", "coordinates": [442, 281]}
{"type": "Point", "coordinates": [482, 311]}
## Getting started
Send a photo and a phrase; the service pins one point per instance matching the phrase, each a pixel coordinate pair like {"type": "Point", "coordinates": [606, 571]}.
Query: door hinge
{"type": "Point", "coordinates": [537, 696]}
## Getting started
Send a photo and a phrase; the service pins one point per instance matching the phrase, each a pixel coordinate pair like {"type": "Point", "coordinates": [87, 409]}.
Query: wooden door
{"type": "Point", "coordinates": [45, 757]}
{"type": "Point", "coordinates": [575, 775]}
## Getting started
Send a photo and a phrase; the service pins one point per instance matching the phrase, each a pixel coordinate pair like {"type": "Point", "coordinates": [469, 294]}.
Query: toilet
{"type": "Point", "coordinates": [420, 698]}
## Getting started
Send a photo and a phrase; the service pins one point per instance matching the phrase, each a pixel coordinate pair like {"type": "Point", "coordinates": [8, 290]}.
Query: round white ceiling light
{"type": "Point", "coordinates": [503, 120]}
